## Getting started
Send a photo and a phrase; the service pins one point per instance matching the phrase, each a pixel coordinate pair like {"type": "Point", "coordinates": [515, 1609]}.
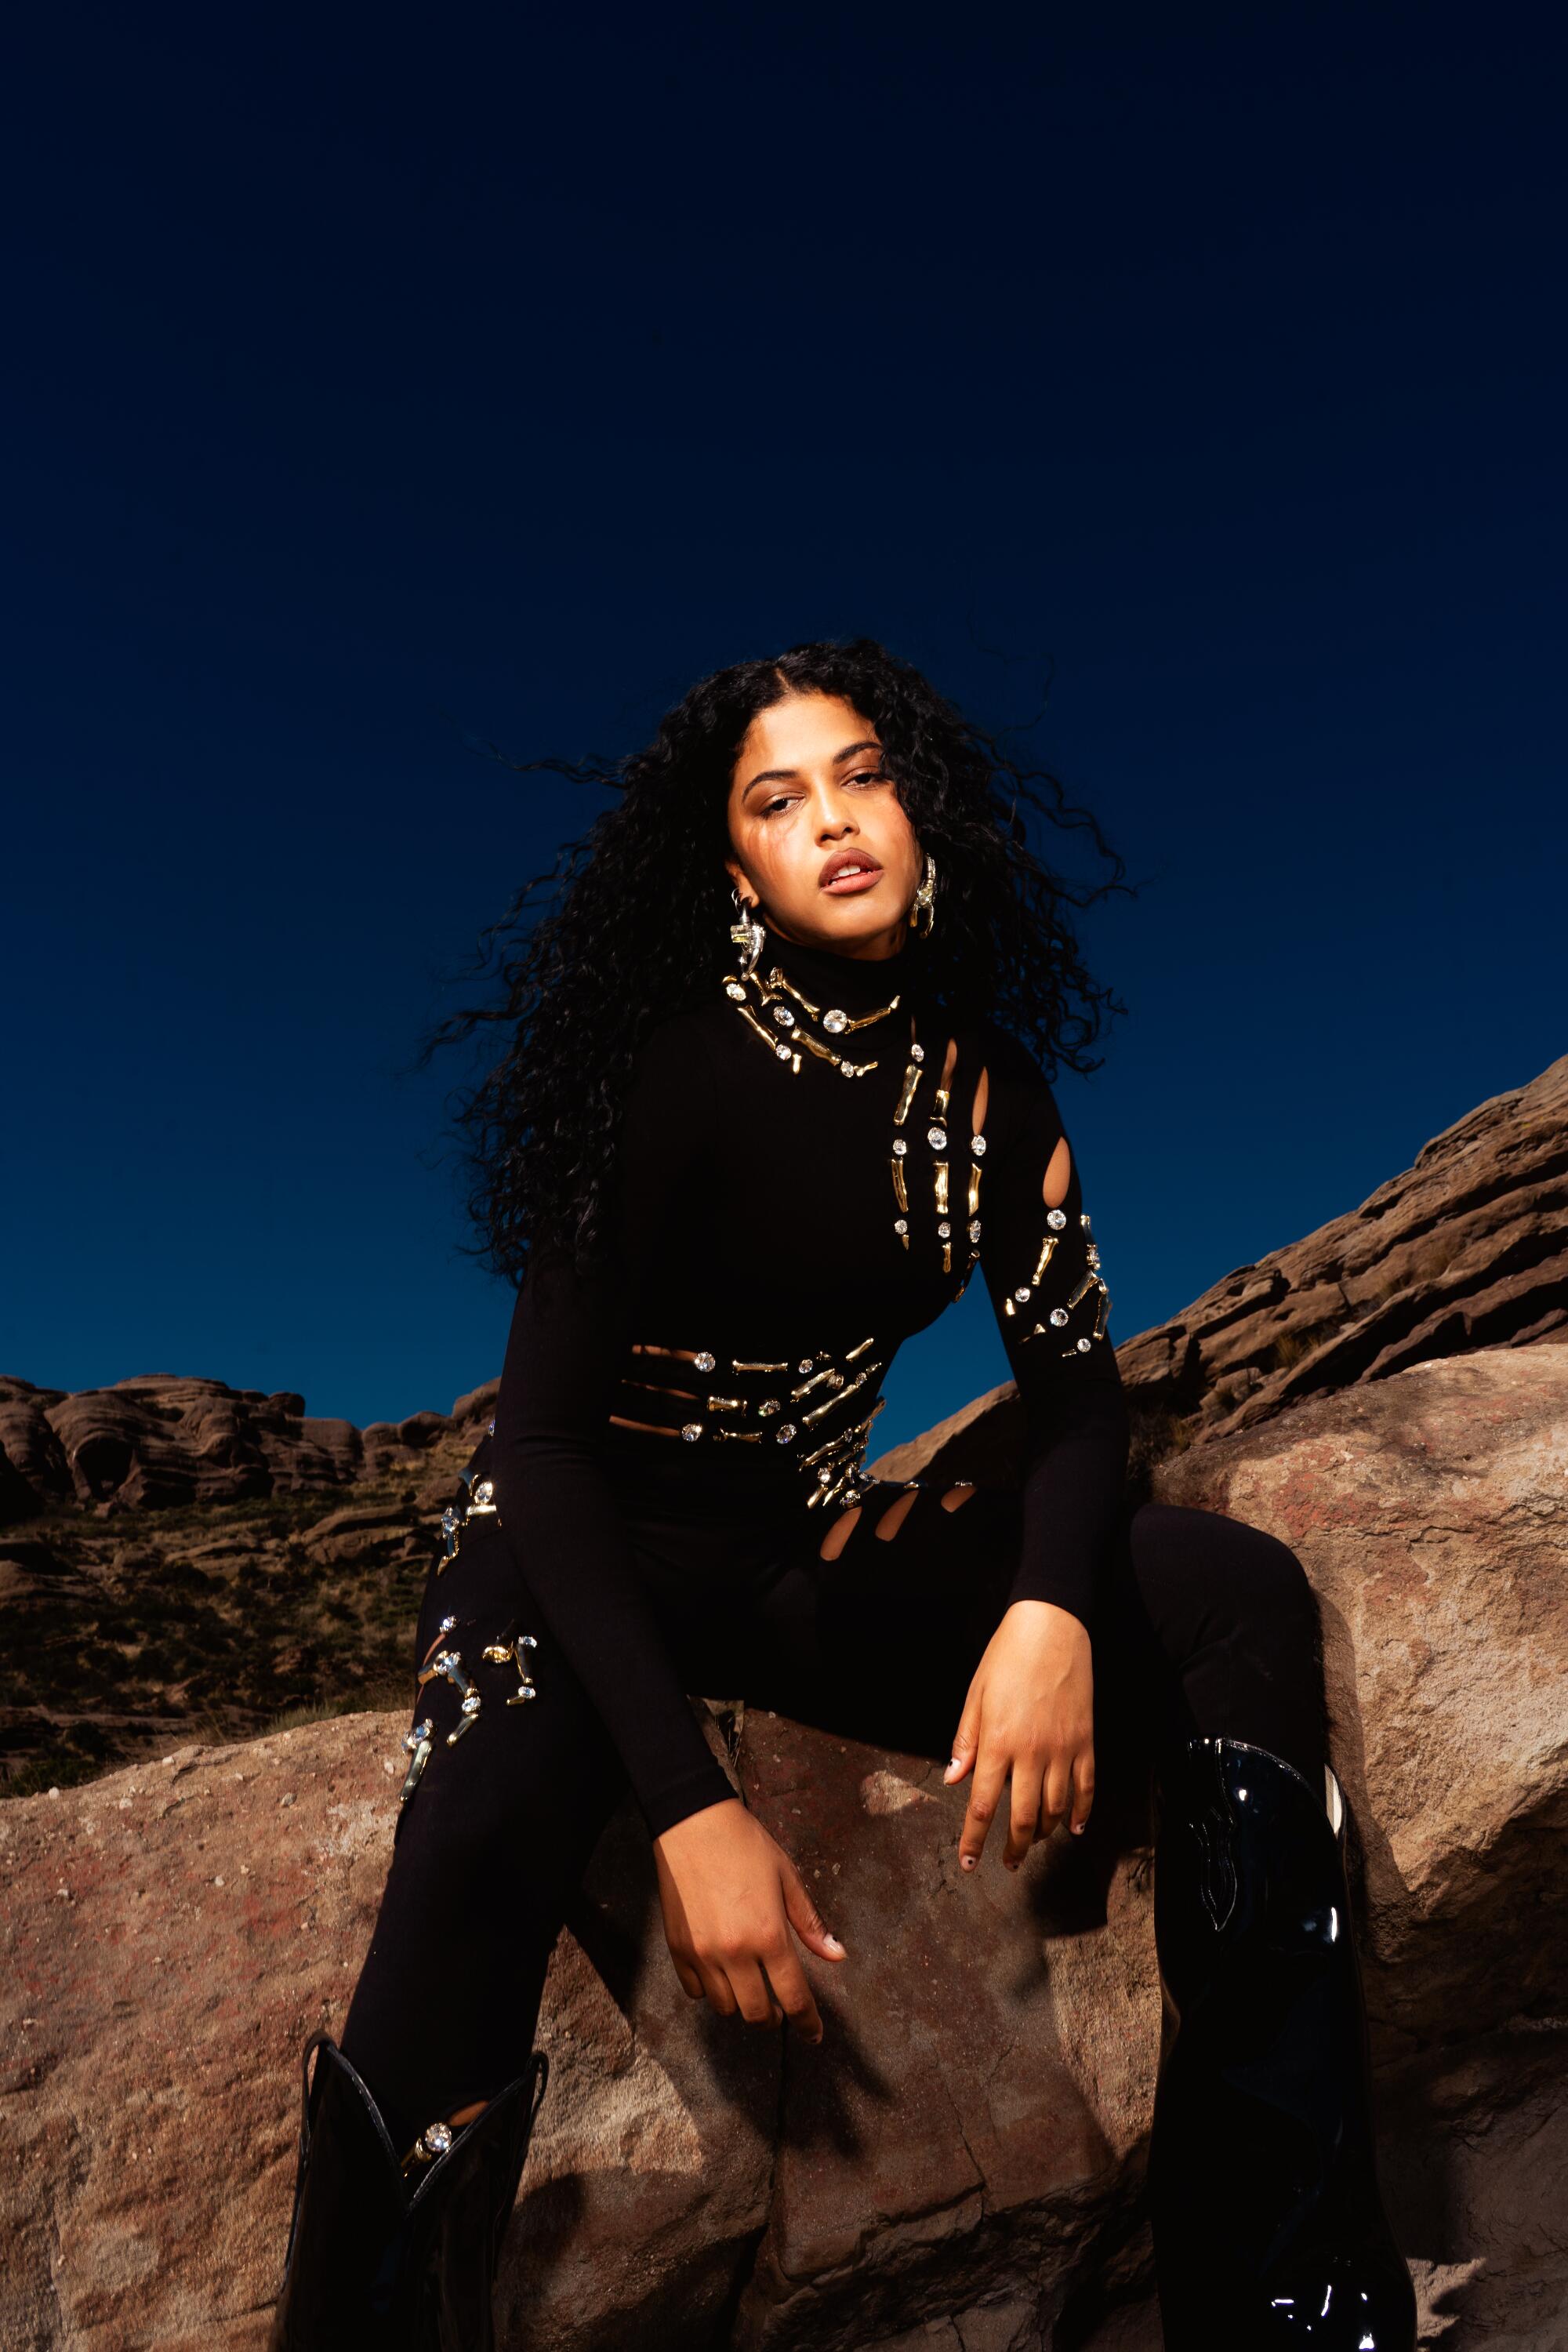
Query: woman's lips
{"type": "Point", "coordinates": [841, 885]}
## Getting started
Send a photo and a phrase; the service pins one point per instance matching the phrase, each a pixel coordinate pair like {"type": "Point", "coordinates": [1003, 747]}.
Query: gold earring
{"type": "Point", "coordinates": [922, 910]}
{"type": "Point", "coordinates": [746, 932]}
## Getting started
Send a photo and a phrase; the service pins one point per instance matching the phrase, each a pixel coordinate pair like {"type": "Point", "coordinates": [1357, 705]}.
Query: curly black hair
{"type": "Point", "coordinates": [580, 986]}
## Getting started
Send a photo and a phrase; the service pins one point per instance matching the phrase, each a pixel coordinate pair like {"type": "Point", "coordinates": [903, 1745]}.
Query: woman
{"type": "Point", "coordinates": [816, 874]}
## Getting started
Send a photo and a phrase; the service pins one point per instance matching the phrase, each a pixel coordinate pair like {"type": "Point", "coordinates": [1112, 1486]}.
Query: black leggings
{"type": "Point", "coordinates": [1207, 1626]}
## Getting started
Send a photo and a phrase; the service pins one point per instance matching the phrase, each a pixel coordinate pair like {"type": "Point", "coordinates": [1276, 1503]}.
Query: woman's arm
{"type": "Point", "coordinates": [571, 1335]}
{"type": "Point", "coordinates": [1028, 1718]}
{"type": "Point", "coordinates": [557, 1512]}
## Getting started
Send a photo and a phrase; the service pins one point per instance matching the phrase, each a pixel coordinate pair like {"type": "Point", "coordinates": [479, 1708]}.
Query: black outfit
{"type": "Point", "coordinates": [781, 1225]}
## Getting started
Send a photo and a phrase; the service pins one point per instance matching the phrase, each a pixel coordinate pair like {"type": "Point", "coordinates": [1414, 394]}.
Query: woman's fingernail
{"type": "Point", "coordinates": [952, 1768]}
{"type": "Point", "coordinates": [968, 1861]}
{"type": "Point", "coordinates": [833, 1943]}
{"type": "Point", "coordinates": [1078, 1827]}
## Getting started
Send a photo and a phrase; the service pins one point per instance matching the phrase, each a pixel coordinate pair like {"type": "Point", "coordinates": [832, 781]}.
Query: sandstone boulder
{"type": "Point", "coordinates": [969, 2139]}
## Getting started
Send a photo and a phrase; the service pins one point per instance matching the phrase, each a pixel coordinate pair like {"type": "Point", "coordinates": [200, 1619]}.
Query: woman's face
{"type": "Point", "coordinates": [808, 795]}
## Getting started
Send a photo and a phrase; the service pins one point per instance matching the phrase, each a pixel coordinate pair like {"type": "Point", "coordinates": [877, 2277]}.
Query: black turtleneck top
{"type": "Point", "coordinates": [780, 1226]}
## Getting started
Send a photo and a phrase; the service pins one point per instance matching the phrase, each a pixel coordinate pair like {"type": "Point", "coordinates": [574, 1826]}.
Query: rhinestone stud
{"type": "Point", "coordinates": [977, 1146]}
{"type": "Point", "coordinates": [975, 1230]}
{"type": "Point", "coordinates": [1056, 1219]}
{"type": "Point", "coordinates": [782, 1051]}
{"type": "Point", "coordinates": [1083, 1347]}
{"type": "Point", "coordinates": [1021, 1294]}
{"type": "Point", "coordinates": [899, 1146]}
{"type": "Point", "coordinates": [937, 1138]}
{"type": "Point", "coordinates": [472, 1703]}
{"type": "Point", "coordinates": [691, 1430]}
{"type": "Point", "coordinates": [901, 1224]}
{"type": "Point", "coordinates": [704, 1359]}
{"type": "Point", "coordinates": [943, 1231]}
{"type": "Point", "coordinates": [783, 1018]}
{"type": "Point", "coordinates": [784, 1432]}
{"type": "Point", "coordinates": [446, 1624]}
{"type": "Point", "coordinates": [806, 1364]}
{"type": "Point", "coordinates": [916, 1053]}
{"type": "Point", "coordinates": [435, 2139]}
{"type": "Point", "coordinates": [833, 1021]}
{"type": "Point", "coordinates": [768, 1407]}
{"type": "Point", "coordinates": [732, 988]}
{"type": "Point", "coordinates": [1058, 1316]}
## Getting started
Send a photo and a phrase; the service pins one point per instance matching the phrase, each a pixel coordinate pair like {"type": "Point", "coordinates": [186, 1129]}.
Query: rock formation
{"type": "Point", "coordinates": [969, 2139]}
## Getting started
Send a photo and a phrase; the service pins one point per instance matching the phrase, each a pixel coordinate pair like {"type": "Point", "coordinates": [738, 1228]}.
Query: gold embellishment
{"type": "Point", "coordinates": [780, 1032]}
{"type": "Point", "coordinates": [1091, 1284]}
{"type": "Point", "coordinates": [509, 1649]}
{"type": "Point", "coordinates": [839, 1023]}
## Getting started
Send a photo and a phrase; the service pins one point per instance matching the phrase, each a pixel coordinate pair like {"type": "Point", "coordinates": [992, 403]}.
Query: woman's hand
{"type": "Point", "coordinates": [1030, 1713]}
{"type": "Point", "coordinates": [730, 1895]}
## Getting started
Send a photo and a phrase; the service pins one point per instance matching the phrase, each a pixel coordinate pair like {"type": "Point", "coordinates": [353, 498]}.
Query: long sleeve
{"type": "Point", "coordinates": [1042, 1269]}
{"type": "Point", "coordinates": [569, 1335]}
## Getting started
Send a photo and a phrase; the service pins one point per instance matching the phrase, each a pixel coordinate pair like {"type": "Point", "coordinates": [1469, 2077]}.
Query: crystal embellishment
{"type": "Point", "coordinates": [691, 1431]}
{"type": "Point", "coordinates": [704, 1360]}
{"type": "Point", "coordinates": [977, 1146]}
{"type": "Point", "coordinates": [1058, 1316]}
{"type": "Point", "coordinates": [435, 2139]}
{"type": "Point", "coordinates": [899, 1146]}
{"type": "Point", "coordinates": [447, 1624]}
{"type": "Point", "coordinates": [937, 1138]}
{"type": "Point", "coordinates": [1021, 1294]}
{"type": "Point", "coordinates": [784, 1432]}
{"type": "Point", "coordinates": [1084, 1346]}
{"type": "Point", "coordinates": [835, 1021]}
{"type": "Point", "coordinates": [1056, 1219]}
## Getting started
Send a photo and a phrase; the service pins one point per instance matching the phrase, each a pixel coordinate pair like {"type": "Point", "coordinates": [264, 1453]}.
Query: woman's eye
{"type": "Point", "coordinates": [871, 776]}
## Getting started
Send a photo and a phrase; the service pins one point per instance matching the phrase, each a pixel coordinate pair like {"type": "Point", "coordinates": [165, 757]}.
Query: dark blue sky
{"type": "Point", "coordinates": [375, 373]}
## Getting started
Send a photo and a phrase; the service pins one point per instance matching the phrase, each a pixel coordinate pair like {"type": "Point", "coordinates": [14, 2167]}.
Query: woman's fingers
{"type": "Point", "coordinates": [966, 1738]}
{"type": "Point", "coordinates": [1024, 1823]}
{"type": "Point", "coordinates": [984, 1791]}
{"type": "Point", "coordinates": [793, 1993]}
{"type": "Point", "coordinates": [1058, 1791]}
{"type": "Point", "coordinates": [690, 1981]}
{"type": "Point", "coordinates": [754, 1994]}
{"type": "Point", "coordinates": [804, 1916]}
{"type": "Point", "coordinates": [717, 1986]}
{"type": "Point", "coordinates": [1083, 1788]}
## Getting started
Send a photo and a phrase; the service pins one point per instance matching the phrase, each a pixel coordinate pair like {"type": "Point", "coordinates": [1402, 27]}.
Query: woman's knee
{"type": "Point", "coordinates": [1185, 1558]}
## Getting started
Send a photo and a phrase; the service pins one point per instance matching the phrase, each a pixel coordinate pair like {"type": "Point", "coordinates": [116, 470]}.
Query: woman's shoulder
{"type": "Point", "coordinates": [671, 1082]}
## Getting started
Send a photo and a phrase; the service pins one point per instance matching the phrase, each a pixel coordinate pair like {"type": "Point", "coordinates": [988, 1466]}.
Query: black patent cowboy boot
{"type": "Point", "coordinates": [380, 2259]}
{"type": "Point", "coordinates": [1268, 2221]}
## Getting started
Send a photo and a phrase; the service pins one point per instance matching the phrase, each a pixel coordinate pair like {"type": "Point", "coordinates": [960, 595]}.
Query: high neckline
{"type": "Point", "coordinates": [855, 983]}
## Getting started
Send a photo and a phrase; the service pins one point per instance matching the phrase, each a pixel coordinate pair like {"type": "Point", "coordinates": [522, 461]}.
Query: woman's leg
{"type": "Point", "coordinates": [1206, 1627]}
{"type": "Point", "coordinates": [490, 1845]}
{"type": "Point", "coordinates": [1214, 1621]}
